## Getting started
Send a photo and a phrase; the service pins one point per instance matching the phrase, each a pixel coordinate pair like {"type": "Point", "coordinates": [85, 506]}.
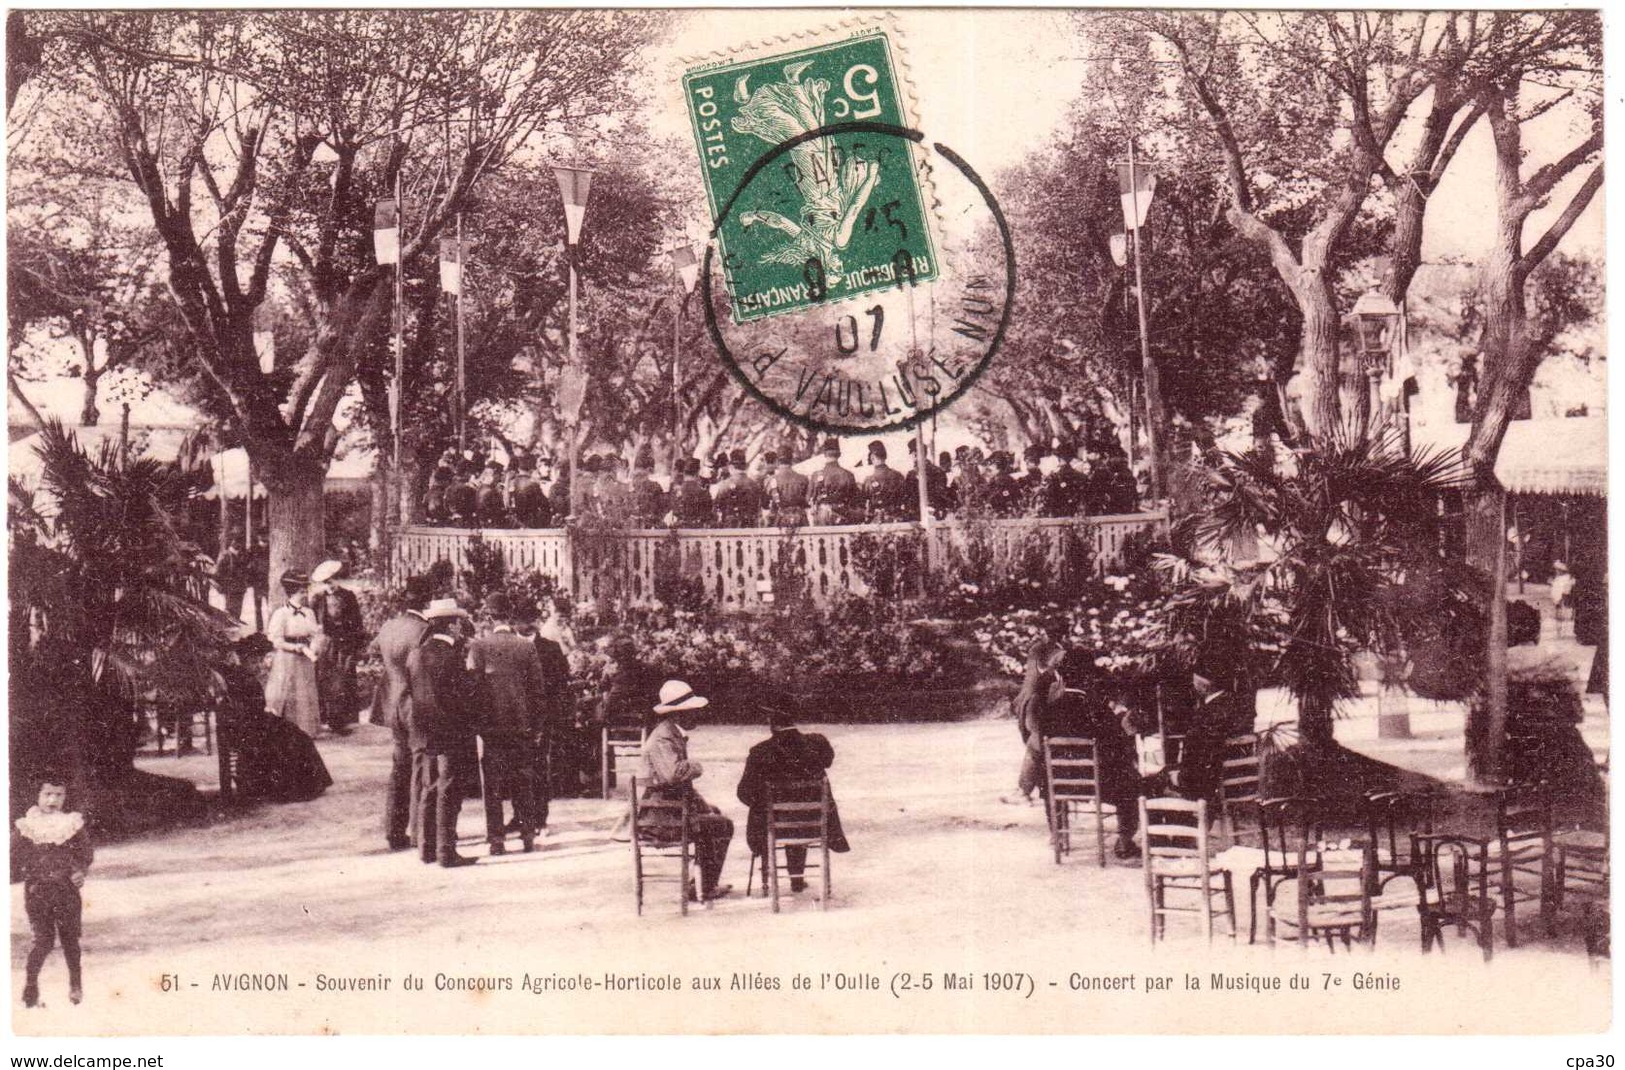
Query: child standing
{"type": "Point", "coordinates": [55, 853]}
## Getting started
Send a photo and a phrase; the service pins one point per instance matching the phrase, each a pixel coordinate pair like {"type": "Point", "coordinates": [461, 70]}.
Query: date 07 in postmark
{"type": "Point", "coordinates": [840, 212]}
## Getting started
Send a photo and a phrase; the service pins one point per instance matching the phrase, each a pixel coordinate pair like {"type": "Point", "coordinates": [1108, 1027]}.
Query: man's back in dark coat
{"type": "Point", "coordinates": [785, 755]}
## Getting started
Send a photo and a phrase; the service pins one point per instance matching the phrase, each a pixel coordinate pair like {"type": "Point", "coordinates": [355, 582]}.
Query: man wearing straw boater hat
{"type": "Point", "coordinates": [671, 775]}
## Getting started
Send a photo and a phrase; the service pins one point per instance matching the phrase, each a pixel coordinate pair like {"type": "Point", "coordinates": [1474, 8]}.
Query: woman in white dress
{"type": "Point", "coordinates": [290, 690]}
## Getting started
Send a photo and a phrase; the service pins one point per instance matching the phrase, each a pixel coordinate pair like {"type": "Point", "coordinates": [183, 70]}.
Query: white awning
{"type": "Point", "coordinates": [1563, 456]}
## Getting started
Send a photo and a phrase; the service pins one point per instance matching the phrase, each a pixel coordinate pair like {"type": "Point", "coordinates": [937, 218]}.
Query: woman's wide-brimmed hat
{"type": "Point", "coordinates": [294, 578]}
{"type": "Point", "coordinates": [676, 695]}
{"type": "Point", "coordinates": [441, 608]}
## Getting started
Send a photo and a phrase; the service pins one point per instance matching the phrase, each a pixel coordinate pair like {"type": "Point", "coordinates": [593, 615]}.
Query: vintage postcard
{"type": "Point", "coordinates": [755, 522]}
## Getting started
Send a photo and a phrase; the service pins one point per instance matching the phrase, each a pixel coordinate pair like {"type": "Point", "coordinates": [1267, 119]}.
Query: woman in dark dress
{"type": "Point", "coordinates": [273, 760]}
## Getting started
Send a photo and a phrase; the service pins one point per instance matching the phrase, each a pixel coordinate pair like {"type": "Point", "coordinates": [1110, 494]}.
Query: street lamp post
{"type": "Point", "coordinates": [575, 184]}
{"type": "Point", "coordinates": [1375, 318]}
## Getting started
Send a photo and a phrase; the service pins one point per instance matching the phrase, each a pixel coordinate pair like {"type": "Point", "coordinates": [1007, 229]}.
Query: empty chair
{"type": "Point", "coordinates": [1524, 854]}
{"type": "Point", "coordinates": [1455, 890]}
{"type": "Point", "coordinates": [1286, 826]}
{"type": "Point", "coordinates": [660, 831]}
{"type": "Point", "coordinates": [1239, 779]}
{"type": "Point", "coordinates": [1330, 899]}
{"type": "Point", "coordinates": [1581, 868]}
{"type": "Point", "coordinates": [1175, 855]}
{"type": "Point", "coordinates": [617, 742]}
{"type": "Point", "coordinates": [1072, 776]}
{"type": "Point", "coordinates": [1390, 818]}
{"type": "Point", "coordinates": [798, 823]}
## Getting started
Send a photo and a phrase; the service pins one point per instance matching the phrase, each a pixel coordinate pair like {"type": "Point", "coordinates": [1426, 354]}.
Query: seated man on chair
{"type": "Point", "coordinates": [1085, 710]}
{"type": "Point", "coordinates": [1220, 712]}
{"type": "Point", "coordinates": [785, 755]}
{"type": "Point", "coordinates": [671, 776]}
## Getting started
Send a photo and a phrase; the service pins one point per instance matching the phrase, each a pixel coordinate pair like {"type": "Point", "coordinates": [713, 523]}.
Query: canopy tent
{"type": "Point", "coordinates": [349, 472]}
{"type": "Point", "coordinates": [1561, 456]}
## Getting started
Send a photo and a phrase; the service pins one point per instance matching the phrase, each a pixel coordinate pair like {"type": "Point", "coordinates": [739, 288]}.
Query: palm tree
{"type": "Point", "coordinates": [108, 600]}
{"type": "Point", "coordinates": [1352, 559]}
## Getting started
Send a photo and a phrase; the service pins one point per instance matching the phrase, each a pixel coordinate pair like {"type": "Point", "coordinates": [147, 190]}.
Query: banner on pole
{"type": "Point", "coordinates": [386, 231]}
{"type": "Point", "coordinates": [575, 184]}
{"type": "Point", "coordinates": [572, 392]}
{"type": "Point", "coordinates": [451, 265]}
{"type": "Point", "coordinates": [1136, 202]}
{"type": "Point", "coordinates": [686, 259]}
{"type": "Point", "coordinates": [1119, 244]}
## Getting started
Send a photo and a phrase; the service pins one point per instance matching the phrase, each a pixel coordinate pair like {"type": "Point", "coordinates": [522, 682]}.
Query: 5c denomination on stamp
{"type": "Point", "coordinates": [847, 212]}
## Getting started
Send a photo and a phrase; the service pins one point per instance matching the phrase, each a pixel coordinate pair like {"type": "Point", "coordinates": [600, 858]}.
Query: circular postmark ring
{"type": "Point", "coordinates": [940, 402]}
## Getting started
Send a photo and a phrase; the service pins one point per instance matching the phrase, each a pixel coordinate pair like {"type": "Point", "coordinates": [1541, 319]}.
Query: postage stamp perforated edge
{"type": "Point", "coordinates": [824, 34]}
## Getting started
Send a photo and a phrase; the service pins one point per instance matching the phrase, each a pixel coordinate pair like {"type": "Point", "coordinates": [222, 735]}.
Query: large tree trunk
{"type": "Point", "coordinates": [1487, 714]}
{"type": "Point", "coordinates": [297, 521]}
{"type": "Point", "coordinates": [1319, 360]}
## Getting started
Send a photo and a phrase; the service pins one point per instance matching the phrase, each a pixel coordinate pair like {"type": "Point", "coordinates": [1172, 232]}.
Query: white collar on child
{"type": "Point", "coordinates": [50, 829]}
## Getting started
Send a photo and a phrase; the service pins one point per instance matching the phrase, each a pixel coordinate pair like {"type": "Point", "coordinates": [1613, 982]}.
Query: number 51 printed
{"type": "Point", "coordinates": [831, 218]}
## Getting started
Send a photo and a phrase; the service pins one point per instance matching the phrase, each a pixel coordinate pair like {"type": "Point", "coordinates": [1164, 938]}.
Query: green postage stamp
{"type": "Point", "coordinates": [831, 217]}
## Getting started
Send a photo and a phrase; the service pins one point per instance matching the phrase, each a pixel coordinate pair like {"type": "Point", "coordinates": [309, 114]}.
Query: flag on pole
{"type": "Point", "coordinates": [386, 231]}
{"type": "Point", "coordinates": [575, 183]}
{"type": "Point", "coordinates": [1119, 244]}
{"type": "Point", "coordinates": [1136, 202]}
{"type": "Point", "coordinates": [451, 265]}
{"type": "Point", "coordinates": [686, 259]}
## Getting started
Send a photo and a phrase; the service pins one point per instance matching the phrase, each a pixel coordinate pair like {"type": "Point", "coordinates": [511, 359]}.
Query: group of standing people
{"type": "Point", "coordinates": [471, 716]}
{"type": "Point", "coordinates": [1065, 694]}
{"type": "Point", "coordinates": [733, 491]}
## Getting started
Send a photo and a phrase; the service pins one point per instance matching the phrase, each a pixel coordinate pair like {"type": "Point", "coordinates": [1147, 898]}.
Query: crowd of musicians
{"type": "Point", "coordinates": [780, 488]}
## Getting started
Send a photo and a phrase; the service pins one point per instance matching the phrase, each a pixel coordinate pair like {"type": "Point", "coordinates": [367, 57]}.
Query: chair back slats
{"type": "Point", "coordinates": [660, 829]}
{"type": "Point", "coordinates": [1072, 790]}
{"type": "Point", "coordinates": [798, 815]}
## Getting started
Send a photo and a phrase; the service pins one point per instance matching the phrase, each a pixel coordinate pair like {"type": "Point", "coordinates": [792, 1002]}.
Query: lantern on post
{"type": "Point", "coordinates": [1376, 320]}
{"type": "Point", "coordinates": [575, 185]}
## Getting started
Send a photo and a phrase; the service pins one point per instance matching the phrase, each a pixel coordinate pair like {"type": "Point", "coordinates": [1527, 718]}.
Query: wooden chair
{"type": "Point", "coordinates": [1073, 781]}
{"type": "Point", "coordinates": [1456, 888]}
{"type": "Point", "coordinates": [1176, 860]}
{"type": "Point", "coordinates": [1332, 900]}
{"type": "Point", "coordinates": [1523, 849]}
{"type": "Point", "coordinates": [660, 830]}
{"type": "Point", "coordinates": [798, 814]}
{"type": "Point", "coordinates": [1287, 826]}
{"type": "Point", "coordinates": [617, 741]}
{"type": "Point", "coordinates": [1239, 779]}
{"type": "Point", "coordinates": [1390, 818]}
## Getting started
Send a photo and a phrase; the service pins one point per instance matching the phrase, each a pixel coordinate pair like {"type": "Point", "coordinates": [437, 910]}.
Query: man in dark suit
{"type": "Point", "coordinates": [690, 500]}
{"type": "Point", "coordinates": [442, 731]}
{"type": "Point", "coordinates": [391, 706]}
{"type": "Point", "coordinates": [885, 492]}
{"type": "Point", "coordinates": [786, 755]}
{"type": "Point", "coordinates": [1002, 493]}
{"type": "Point", "coordinates": [1219, 714]}
{"type": "Point", "coordinates": [510, 692]}
{"type": "Point", "coordinates": [786, 491]}
{"type": "Point", "coordinates": [832, 490]}
{"type": "Point", "coordinates": [739, 498]}
{"type": "Point", "coordinates": [561, 752]}
{"type": "Point", "coordinates": [671, 775]}
{"type": "Point", "coordinates": [647, 500]}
